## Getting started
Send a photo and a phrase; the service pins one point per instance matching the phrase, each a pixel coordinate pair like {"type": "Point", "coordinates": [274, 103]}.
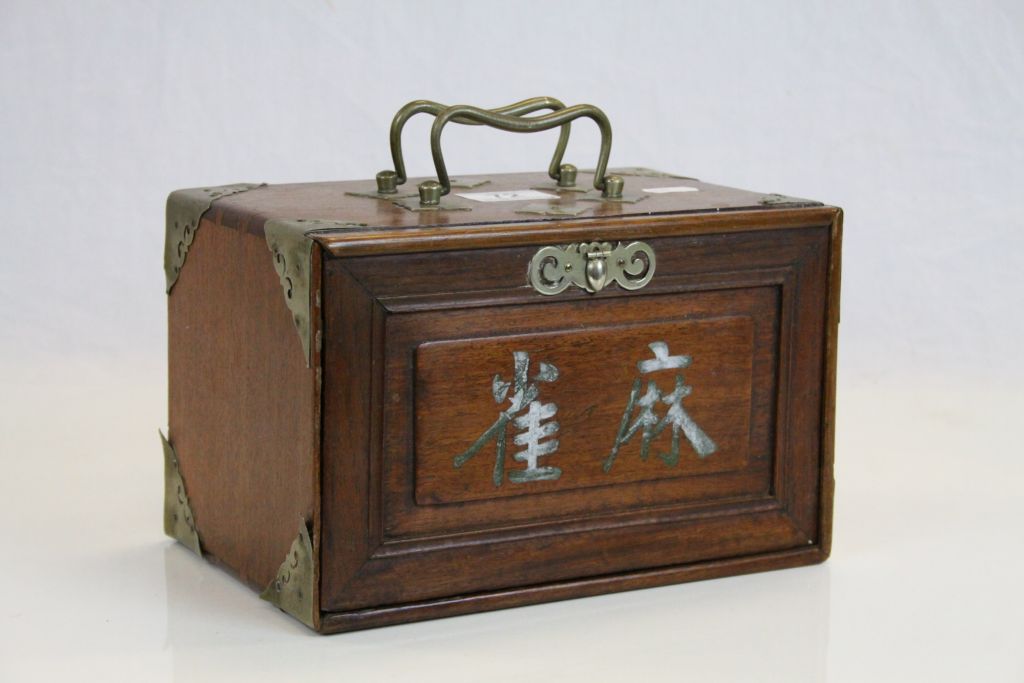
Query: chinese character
{"type": "Point", "coordinates": [647, 421]}
{"type": "Point", "coordinates": [528, 415]}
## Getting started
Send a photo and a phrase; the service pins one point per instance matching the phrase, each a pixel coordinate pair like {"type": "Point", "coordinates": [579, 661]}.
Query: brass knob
{"type": "Point", "coordinates": [567, 175]}
{"type": "Point", "coordinates": [613, 185]}
{"type": "Point", "coordinates": [430, 193]}
{"type": "Point", "coordinates": [597, 273]}
{"type": "Point", "coordinates": [387, 182]}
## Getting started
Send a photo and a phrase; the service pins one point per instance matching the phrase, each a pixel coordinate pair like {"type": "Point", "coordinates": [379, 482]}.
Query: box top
{"type": "Point", "coordinates": [520, 198]}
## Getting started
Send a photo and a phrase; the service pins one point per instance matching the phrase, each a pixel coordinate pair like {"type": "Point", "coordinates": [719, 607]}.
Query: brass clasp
{"type": "Point", "coordinates": [592, 266]}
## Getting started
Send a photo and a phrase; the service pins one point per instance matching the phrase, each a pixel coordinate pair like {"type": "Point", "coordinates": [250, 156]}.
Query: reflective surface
{"type": "Point", "coordinates": [924, 582]}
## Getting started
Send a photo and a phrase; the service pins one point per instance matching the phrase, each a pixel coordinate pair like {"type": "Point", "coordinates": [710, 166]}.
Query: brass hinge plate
{"type": "Point", "coordinates": [784, 200]}
{"type": "Point", "coordinates": [624, 198]}
{"type": "Point", "coordinates": [640, 172]}
{"type": "Point", "coordinates": [553, 209]}
{"type": "Point", "coordinates": [413, 204]}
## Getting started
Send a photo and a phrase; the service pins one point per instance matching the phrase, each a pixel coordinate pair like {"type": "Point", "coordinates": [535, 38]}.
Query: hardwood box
{"type": "Point", "coordinates": [380, 414]}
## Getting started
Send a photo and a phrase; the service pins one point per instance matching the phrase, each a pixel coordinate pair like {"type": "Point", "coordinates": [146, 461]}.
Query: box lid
{"type": "Point", "coordinates": [520, 198]}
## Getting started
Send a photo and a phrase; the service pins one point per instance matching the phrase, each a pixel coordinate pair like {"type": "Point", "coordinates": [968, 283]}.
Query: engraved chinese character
{"type": "Point", "coordinates": [527, 414]}
{"type": "Point", "coordinates": [645, 407]}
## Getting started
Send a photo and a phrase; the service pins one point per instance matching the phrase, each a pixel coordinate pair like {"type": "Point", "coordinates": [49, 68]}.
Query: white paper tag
{"type": "Point", "coordinates": [666, 190]}
{"type": "Point", "coordinates": [506, 196]}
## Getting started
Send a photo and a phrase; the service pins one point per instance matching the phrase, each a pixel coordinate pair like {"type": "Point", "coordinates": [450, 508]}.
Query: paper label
{"type": "Point", "coordinates": [666, 190]}
{"type": "Point", "coordinates": [506, 196]}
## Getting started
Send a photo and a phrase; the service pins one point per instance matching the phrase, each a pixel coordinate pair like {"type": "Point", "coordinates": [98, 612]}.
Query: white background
{"type": "Point", "coordinates": [909, 115]}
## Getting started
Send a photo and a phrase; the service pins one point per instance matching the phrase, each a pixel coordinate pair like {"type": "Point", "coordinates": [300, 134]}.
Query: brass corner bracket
{"type": "Point", "coordinates": [185, 209]}
{"type": "Point", "coordinates": [288, 241]}
{"type": "Point", "coordinates": [179, 523]}
{"type": "Point", "coordinates": [292, 588]}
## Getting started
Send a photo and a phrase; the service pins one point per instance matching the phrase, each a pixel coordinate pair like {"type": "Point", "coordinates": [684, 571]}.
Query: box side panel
{"type": "Point", "coordinates": [243, 413]}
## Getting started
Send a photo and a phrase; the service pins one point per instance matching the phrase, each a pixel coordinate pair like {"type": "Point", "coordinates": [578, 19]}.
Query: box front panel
{"type": "Point", "coordinates": [481, 436]}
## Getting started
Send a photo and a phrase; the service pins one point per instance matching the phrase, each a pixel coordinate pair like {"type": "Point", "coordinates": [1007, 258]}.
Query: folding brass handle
{"type": "Point", "coordinates": [431, 191]}
{"type": "Point", "coordinates": [388, 180]}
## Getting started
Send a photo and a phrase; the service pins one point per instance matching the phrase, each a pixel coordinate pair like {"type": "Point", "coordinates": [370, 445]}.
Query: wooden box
{"type": "Point", "coordinates": [383, 413]}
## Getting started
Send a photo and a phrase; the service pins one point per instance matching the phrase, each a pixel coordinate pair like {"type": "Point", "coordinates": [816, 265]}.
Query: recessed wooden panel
{"type": "Point", "coordinates": [425, 494]}
{"type": "Point", "coordinates": [596, 394]}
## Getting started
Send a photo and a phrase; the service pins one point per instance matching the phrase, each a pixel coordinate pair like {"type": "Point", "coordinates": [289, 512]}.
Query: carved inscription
{"type": "Point", "coordinates": [537, 428]}
{"type": "Point", "coordinates": [529, 415]}
{"type": "Point", "coordinates": [645, 407]}
{"type": "Point", "coordinates": [656, 402]}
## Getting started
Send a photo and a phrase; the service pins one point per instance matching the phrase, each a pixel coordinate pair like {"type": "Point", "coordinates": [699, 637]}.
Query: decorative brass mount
{"type": "Point", "coordinates": [592, 266]}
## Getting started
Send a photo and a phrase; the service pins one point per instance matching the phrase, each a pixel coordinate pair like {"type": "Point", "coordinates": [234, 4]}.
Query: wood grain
{"type": "Point", "coordinates": [241, 403]}
{"type": "Point", "coordinates": [426, 535]}
{"type": "Point", "coordinates": [597, 368]}
{"type": "Point", "coordinates": [654, 484]}
{"type": "Point", "coordinates": [341, 622]}
{"type": "Point", "coordinates": [417, 311]}
{"type": "Point", "coordinates": [330, 201]}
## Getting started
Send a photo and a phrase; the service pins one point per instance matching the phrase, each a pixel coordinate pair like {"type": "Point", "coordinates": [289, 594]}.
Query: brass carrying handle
{"type": "Point", "coordinates": [388, 180]}
{"type": "Point", "coordinates": [431, 191]}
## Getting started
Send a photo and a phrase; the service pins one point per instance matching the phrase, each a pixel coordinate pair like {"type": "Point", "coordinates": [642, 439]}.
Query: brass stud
{"type": "Point", "coordinates": [567, 175]}
{"type": "Point", "coordinates": [387, 182]}
{"type": "Point", "coordinates": [613, 185]}
{"type": "Point", "coordinates": [430, 193]}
